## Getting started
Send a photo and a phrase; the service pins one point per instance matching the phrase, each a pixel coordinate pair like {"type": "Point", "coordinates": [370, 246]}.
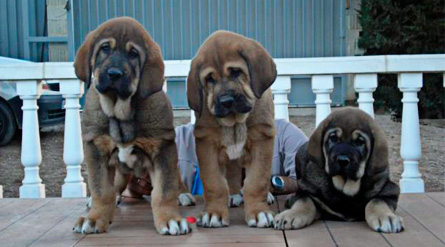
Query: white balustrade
{"type": "Point", "coordinates": [410, 149]}
{"type": "Point", "coordinates": [322, 86]}
{"type": "Point", "coordinates": [280, 89]}
{"type": "Point", "coordinates": [1, 191]}
{"type": "Point", "coordinates": [365, 85]}
{"type": "Point", "coordinates": [322, 70]}
{"type": "Point", "coordinates": [30, 91]}
{"type": "Point", "coordinates": [74, 185]}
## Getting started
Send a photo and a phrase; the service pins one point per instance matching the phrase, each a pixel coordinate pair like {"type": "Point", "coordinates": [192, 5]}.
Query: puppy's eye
{"type": "Point", "coordinates": [209, 79]}
{"type": "Point", "coordinates": [360, 141]}
{"type": "Point", "coordinates": [235, 73]}
{"type": "Point", "coordinates": [133, 53]}
{"type": "Point", "coordinates": [105, 48]}
{"type": "Point", "coordinates": [333, 137]}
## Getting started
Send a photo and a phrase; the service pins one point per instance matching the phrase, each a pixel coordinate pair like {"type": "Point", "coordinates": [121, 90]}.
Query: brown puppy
{"type": "Point", "coordinates": [127, 124]}
{"type": "Point", "coordinates": [343, 174]}
{"type": "Point", "coordinates": [228, 88]}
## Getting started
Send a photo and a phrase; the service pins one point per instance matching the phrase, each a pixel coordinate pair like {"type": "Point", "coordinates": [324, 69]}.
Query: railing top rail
{"type": "Point", "coordinates": [285, 66]}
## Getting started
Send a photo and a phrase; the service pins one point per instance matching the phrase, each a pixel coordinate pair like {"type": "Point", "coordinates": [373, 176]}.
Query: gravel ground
{"type": "Point", "coordinates": [52, 168]}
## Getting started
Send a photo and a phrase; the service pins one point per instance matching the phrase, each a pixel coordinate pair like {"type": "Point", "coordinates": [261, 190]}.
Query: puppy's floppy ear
{"type": "Point", "coordinates": [82, 62]}
{"type": "Point", "coordinates": [152, 73]}
{"type": "Point", "coordinates": [262, 68]}
{"type": "Point", "coordinates": [194, 88]}
{"type": "Point", "coordinates": [378, 161]}
{"type": "Point", "coordinates": [315, 144]}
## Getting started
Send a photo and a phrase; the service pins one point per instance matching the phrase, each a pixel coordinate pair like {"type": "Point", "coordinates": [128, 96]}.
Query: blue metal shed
{"type": "Point", "coordinates": [286, 28]}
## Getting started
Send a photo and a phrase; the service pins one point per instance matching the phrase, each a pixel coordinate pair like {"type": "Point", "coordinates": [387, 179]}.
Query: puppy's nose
{"type": "Point", "coordinates": [343, 160]}
{"type": "Point", "coordinates": [226, 101]}
{"type": "Point", "coordinates": [114, 73]}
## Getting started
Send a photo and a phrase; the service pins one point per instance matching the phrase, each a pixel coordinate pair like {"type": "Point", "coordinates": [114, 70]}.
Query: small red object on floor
{"type": "Point", "coordinates": [190, 219]}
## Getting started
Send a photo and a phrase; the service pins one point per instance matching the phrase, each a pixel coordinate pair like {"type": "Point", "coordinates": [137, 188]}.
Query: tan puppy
{"type": "Point", "coordinates": [127, 124]}
{"type": "Point", "coordinates": [228, 88]}
{"type": "Point", "coordinates": [343, 174]}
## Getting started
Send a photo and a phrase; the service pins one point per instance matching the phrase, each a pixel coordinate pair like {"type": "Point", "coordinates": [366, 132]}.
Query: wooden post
{"type": "Point", "coordinates": [365, 85]}
{"type": "Point", "coordinates": [322, 86]}
{"type": "Point", "coordinates": [74, 185]}
{"type": "Point", "coordinates": [31, 156]}
{"type": "Point", "coordinates": [280, 89]}
{"type": "Point", "coordinates": [410, 150]}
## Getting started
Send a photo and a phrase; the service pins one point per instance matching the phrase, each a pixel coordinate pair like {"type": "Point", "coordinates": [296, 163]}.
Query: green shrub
{"type": "Point", "coordinates": [405, 27]}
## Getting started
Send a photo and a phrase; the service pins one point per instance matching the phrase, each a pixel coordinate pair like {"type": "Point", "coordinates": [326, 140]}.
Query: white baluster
{"type": "Point", "coordinates": [322, 86]}
{"type": "Point", "coordinates": [74, 185]}
{"type": "Point", "coordinates": [365, 85]}
{"type": "Point", "coordinates": [410, 150]}
{"type": "Point", "coordinates": [280, 89]}
{"type": "Point", "coordinates": [31, 156]}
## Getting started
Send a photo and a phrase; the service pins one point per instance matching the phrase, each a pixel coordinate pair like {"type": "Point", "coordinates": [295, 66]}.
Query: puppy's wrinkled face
{"type": "Point", "coordinates": [229, 95]}
{"type": "Point", "coordinates": [346, 153]}
{"type": "Point", "coordinates": [116, 66]}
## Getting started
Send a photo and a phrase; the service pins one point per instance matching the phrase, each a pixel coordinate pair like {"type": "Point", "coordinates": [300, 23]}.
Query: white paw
{"type": "Point", "coordinates": [175, 228]}
{"type": "Point", "coordinates": [212, 221]}
{"type": "Point", "coordinates": [263, 220]}
{"type": "Point", "coordinates": [270, 198]}
{"type": "Point", "coordinates": [186, 199]}
{"type": "Point", "coordinates": [235, 200]}
{"type": "Point", "coordinates": [288, 220]}
{"type": "Point", "coordinates": [88, 226]}
{"type": "Point", "coordinates": [390, 223]}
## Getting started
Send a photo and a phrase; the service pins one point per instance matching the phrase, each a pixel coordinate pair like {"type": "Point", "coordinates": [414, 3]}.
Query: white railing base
{"type": "Point", "coordinates": [74, 190]}
{"type": "Point", "coordinates": [32, 191]}
{"type": "Point", "coordinates": [1, 191]}
{"type": "Point", "coordinates": [412, 185]}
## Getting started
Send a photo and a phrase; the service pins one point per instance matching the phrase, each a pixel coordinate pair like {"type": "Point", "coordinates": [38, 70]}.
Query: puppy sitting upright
{"type": "Point", "coordinates": [228, 88]}
{"type": "Point", "coordinates": [343, 174]}
{"type": "Point", "coordinates": [127, 124]}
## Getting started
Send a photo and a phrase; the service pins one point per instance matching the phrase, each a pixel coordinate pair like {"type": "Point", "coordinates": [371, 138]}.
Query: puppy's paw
{"type": "Point", "coordinates": [212, 220]}
{"type": "Point", "coordinates": [261, 220]}
{"type": "Point", "coordinates": [290, 219]}
{"type": "Point", "coordinates": [88, 225]}
{"type": "Point", "coordinates": [270, 198]}
{"type": "Point", "coordinates": [174, 227]}
{"type": "Point", "coordinates": [236, 200]}
{"type": "Point", "coordinates": [186, 199]}
{"type": "Point", "coordinates": [387, 223]}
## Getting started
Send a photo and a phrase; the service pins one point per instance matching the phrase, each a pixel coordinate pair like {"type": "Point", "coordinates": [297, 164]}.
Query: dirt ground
{"type": "Point", "coordinates": [52, 168]}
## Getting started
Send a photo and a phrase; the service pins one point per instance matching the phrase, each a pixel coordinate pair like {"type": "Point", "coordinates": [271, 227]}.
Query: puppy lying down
{"type": "Point", "coordinates": [343, 174]}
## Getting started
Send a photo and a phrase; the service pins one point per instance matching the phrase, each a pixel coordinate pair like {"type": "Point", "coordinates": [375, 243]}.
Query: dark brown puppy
{"type": "Point", "coordinates": [127, 124]}
{"type": "Point", "coordinates": [343, 174]}
{"type": "Point", "coordinates": [228, 88]}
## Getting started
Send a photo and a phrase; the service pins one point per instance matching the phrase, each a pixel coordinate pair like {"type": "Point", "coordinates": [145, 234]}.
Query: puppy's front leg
{"type": "Point", "coordinates": [164, 176]}
{"type": "Point", "coordinates": [302, 214]}
{"type": "Point", "coordinates": [216, 190]}
{"type": "Point", "coordinates": [256, 185]}
{"type": "Point", "coordinates": [234, 174]}
{"type": "Point", "coordinates": [381, 217]}
{"type": "Point", "coordinates": [100, 182]}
